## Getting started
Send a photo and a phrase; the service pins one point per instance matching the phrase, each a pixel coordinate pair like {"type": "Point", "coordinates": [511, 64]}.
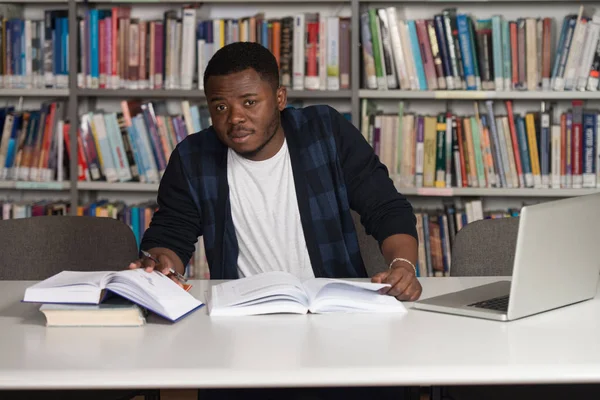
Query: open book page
{"type": "Point", "coordinates": [336, 295]}
{"type": "Point", "coordinates": [68, 287]}
{"type": "Point", "coordinates": [153, 291]}
{"type": "Point", "coordinates": [271, 292]}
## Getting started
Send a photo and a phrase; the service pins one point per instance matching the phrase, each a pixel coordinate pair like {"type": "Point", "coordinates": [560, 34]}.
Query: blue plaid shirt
{"type": "Point", "coordinates": [335, 170]}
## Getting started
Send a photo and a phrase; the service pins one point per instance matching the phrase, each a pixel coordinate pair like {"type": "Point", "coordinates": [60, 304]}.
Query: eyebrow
{"type": "Point", "coordinates": [218, 98]}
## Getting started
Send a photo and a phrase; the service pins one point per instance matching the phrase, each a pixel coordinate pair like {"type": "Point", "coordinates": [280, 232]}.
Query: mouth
{"type": "Point", "coordinates": [241, 137]}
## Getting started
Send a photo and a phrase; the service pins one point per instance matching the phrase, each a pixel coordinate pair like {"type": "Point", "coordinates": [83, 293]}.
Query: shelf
{"type": "Point", "coordinates": [471, 1]}
{"type": "Point", "coordinates": [495, 192]}
{"type": "Point", "coordinates": [22, 185]}
{"type": "Point", "coordinates": [423, 192]}
{"type": "Point", "coordinates": [319, 94]}
{"type": "Point", "coordinates": [476, 95]}
{"type": "Point", "coordinates": [210, 1]}
{"type": "Point", "coordinates": [34, 92]}
{"type": "Point", "coordinates": [65, 2]}
{"type": "Point", "coordinates": [199, 94]}
{"type": "Point", "coordinates": [118, 186]}
{"type": "Point", "coordinates": [142, 93]}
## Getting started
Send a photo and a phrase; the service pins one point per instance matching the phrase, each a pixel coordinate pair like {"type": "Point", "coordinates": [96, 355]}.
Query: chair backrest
{"type": "Point", "coordinates": [38, 247]}
{"type": "Point", "coordinates": [369, 248]}
{"type": "Point", "coordinates": [485, 248]}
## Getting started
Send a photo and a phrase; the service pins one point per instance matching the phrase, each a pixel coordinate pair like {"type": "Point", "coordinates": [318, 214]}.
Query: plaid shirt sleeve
{"type": "Point", "coordinates": [371, 193]}
{"type": "Point", "coordinates": [176, 225]}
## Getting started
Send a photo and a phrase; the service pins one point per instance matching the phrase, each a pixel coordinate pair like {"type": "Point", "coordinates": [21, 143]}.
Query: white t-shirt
{"type": "Point", "coordinates": [265, 214]}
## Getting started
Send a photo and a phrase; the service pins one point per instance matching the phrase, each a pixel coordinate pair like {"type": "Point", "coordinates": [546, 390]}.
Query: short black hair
{"type": "Point", "coordinates": [239, 56]}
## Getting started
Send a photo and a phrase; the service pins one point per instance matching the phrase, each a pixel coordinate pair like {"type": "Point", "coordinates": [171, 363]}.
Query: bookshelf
{"type": "Point", "coordinates": [75, 95]}
{"type": "Point", "coordinates": [354, 95]}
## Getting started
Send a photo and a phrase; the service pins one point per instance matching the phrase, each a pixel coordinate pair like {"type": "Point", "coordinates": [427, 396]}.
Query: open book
{"type": "Point", "coordinates": [153, 291]}
{"type": "Point", "coordinates": [281, 292]}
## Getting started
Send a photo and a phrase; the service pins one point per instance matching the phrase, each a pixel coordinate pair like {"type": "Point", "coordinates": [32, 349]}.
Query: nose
{"type": "Point", "coordinates": [236, 115]}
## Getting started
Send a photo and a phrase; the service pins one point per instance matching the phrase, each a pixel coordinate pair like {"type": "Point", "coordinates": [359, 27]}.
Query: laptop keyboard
{"type": "Point", "coordinates": [497, 303]}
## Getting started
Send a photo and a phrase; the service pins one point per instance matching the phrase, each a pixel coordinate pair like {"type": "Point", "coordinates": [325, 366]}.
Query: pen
{"type": "Point", "coordinates": [171, 270]}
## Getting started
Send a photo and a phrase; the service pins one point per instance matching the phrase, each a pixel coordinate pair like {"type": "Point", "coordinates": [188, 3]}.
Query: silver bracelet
{"type": "Point", "coordinates": [406, 261]}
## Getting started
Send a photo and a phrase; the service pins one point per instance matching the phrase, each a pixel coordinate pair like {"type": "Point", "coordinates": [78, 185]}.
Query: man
{"type": "Point", "coordinates": [271, 188]}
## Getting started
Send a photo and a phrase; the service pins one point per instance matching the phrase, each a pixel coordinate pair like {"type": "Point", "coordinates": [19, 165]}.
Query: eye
{"type": "Point", "coordinates": [221, 107]}
{"type": "Point", "coordinates": [250, 102]}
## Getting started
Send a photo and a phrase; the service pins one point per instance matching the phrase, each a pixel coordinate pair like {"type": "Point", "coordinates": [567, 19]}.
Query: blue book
{"type": "Point", "coordinates": [465, 40]}
{"type": "Point", "coordinates": [524, 151]}
{"type": "Point", "coordinates": [416, 50]}
{"type": "Point", "coordinates": [94, 48]}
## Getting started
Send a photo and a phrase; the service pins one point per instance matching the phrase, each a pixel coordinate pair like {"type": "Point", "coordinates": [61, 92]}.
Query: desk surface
{"type": "Point", "coordinates": [415, 348]}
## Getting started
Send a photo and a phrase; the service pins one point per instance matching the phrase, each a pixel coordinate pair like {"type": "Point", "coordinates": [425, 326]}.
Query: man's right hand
{"type": "Point", "coordinates": [166, 258]}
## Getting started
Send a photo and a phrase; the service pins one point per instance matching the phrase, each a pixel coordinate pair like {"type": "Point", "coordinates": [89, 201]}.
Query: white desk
{"type": "Point", "coordinates": [416, 348]}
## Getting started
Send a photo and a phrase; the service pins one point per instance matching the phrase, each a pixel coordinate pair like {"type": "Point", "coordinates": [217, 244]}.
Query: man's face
{"type": "Point", "coordinates": [245, 112]}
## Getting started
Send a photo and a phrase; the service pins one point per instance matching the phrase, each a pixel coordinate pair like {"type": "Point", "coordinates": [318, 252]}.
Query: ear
{"type": "Point", "coordinates": [281, 97]}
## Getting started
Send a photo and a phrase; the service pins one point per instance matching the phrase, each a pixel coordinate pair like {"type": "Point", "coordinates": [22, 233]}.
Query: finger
{"type": "Point", "coordinates": [391, 279]}
{"type": "Point", "coordinates": [411, 293]}
{"type": "Point", "coordinates": [378, 278]}
{"type": "Point", "coordinates": [148, 264]}
{"type": "Point", "coordinates": [401, 284]}
{"type": "Point", "coordinates": [164, 264]}
{"type": "Point", "coordinates": [135, 264]}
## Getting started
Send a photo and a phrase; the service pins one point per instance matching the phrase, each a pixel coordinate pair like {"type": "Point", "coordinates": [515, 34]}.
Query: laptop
{"type": "Point", "coordinates": [556, 263]}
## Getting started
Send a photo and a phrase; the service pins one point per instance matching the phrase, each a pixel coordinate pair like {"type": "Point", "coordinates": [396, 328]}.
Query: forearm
{"type": "Point", "coordinates": [384, 212]}
{"type": "Point", "coordinates": [171, 231]}
{"type": "Point", "coordinates": [400, 246]}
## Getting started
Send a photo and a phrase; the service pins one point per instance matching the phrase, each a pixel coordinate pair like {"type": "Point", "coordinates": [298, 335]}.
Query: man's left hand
{"type": "Point", "coordinates": [404, 284]}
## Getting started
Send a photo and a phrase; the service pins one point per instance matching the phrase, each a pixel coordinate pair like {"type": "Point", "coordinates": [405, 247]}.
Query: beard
{"type": "Point", "coordinates": [269, 134]}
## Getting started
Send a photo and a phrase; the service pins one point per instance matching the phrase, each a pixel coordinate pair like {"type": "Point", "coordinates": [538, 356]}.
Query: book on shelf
{"type": "Point", "coordinates": [34, 51]}
{"type": "Point", "coordinates": [135, 144]}
{"type": "Point", "coordinates": [116, 50]}
{"type": "Point", "coordinates": [537, 149]}
{"type": "Point", "coordinates": [34, 144]}
{"type": "Point", "coordinates": [281, 292]}
{"type": "Point", "coordinates": [26, 209]}
{"type": "Point", "coordinates": [150, 290]}
{"type": "Point", "coordinates": [454, 50]}
{"type": "Point", "coordinates": [114, 311]}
